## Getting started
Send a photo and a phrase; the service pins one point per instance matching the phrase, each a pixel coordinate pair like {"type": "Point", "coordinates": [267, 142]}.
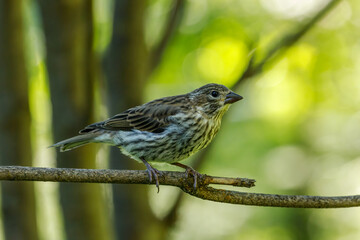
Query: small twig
{"type": "Point", "coordinates": [237, 182]}
{"type": "Point", "coordinates": [173, 21]}
{"type": "Point", "coordinates": [178, 179]}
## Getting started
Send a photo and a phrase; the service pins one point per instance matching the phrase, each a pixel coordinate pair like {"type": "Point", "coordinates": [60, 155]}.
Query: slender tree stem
{"type": "Point", "coordinates": [172, 23]}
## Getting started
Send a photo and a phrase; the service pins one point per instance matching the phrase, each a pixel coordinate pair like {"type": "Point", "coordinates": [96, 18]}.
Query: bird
{"type": "Point", "coordinates": [168, 129]}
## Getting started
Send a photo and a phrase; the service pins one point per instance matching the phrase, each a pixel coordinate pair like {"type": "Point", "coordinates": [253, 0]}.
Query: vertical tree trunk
{"type": "Point", "coordinates": [126, 66]}
{"type": "Point", "coordinates": [18, 199]}
{"type": "Point", "coordinates": [70, 62]}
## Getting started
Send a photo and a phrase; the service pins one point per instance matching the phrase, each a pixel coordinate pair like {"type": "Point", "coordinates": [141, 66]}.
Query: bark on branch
{"type": "Point", "coordinates": [179, 179]}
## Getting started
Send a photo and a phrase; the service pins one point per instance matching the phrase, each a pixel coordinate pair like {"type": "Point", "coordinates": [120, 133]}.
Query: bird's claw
{"type": "Point", "coordinates": [196, 175]}
{"type": "Point", "coordinates": [188, 171]}
{"type": "Point", "coordinates": [154, 172]}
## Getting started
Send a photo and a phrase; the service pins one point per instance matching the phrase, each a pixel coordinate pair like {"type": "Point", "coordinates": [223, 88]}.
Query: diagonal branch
{"type": "Point", "coordinates": [283, 43]}
{"type": "Point", "coordinates": [179, 179]}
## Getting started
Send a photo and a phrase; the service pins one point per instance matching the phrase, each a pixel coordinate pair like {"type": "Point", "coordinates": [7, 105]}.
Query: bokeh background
{"type": "Point", "coordinates": [67, 63]}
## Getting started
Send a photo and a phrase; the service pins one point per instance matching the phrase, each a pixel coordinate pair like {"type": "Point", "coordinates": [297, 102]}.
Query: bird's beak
{"type": "Point", "coordinates": [232, 97]}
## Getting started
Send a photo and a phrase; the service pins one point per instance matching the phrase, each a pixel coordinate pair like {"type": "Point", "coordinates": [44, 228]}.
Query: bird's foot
{"type": "Point", "coordinates": [153, 172]}
{"type": "Point", "coordinates": [196, 175]}
{"type": "Point", "coordinates": [190, 171]}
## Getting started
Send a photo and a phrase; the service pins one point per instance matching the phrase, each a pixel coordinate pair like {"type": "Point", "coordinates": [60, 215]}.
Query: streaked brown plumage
{"type": "Point", "coordinates": [164, 130]}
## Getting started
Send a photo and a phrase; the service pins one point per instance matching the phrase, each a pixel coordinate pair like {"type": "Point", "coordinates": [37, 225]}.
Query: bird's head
{"type": "Point", "coordinates": [213, 99]}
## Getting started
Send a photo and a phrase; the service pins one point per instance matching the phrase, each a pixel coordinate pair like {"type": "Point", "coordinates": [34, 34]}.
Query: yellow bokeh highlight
{"type": "Point", "coordinates": [39, 100]}
{"type": "Point", "coordinates": [302, 56]}
{"type": "Point", "coordinates": [281, 96]}
{"type": "Point", "coordinates": [222, 60]}
{"type": "Point", "coordinates": [282, 93]}
{"type": "Point", "coordinates": [47, 194]}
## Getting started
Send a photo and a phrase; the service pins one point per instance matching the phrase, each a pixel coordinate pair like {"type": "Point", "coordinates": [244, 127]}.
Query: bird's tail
{"type": "Point", "coordinates": [75, 142]}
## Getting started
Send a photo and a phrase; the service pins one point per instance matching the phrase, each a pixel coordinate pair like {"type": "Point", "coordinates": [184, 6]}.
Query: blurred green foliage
{"type": "Point", "coordinates": [296, 131]}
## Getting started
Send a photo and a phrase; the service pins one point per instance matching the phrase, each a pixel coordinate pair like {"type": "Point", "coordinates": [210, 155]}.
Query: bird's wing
{"type": "Point", "coordinates": [151, 117]}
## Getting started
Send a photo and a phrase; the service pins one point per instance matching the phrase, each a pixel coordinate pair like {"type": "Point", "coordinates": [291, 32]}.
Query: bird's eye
{"type": "Point", "coordinates": [214, 94]}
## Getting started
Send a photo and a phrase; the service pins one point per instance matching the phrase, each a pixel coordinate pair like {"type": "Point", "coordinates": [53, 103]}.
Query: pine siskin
{"type": "Point", "coordinates": [168, 129]}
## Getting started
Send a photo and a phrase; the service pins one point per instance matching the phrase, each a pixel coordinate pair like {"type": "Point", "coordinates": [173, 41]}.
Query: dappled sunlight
{"type": "Point", "coordinates": [280, 96]}
{"type": "Point", "coordinates": [47, 193]}
{"type": "Point", "coordinates": [302, 57]}
{"type": "Point", "coordinates": [41, 115]}
{"type": "Point", "coordinates": [338, 17]}
{"type": "Point", "coordinates": [222, 59]}
{"type": "Point", "coordinates": [292, 8]}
